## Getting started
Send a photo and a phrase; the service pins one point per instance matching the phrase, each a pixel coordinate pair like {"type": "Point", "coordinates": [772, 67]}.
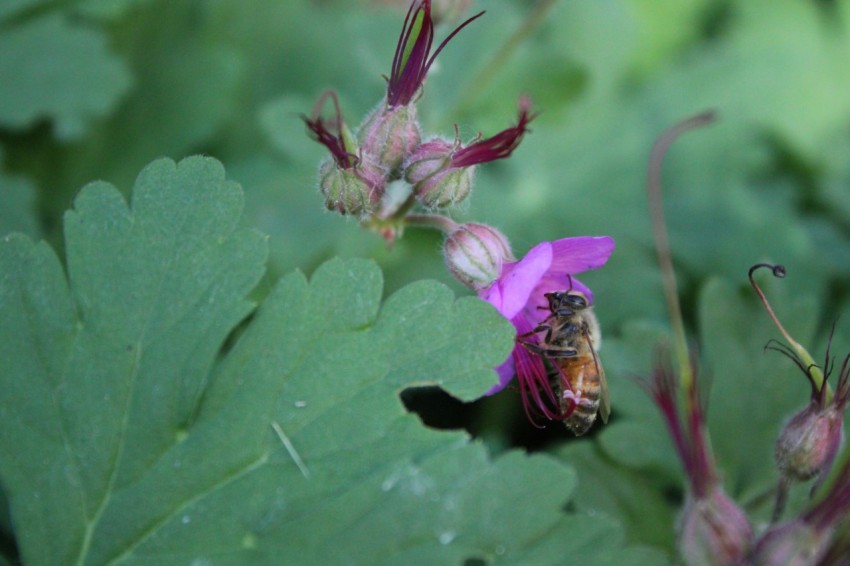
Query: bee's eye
{"type": "Point", "coordinates": [576, 301]}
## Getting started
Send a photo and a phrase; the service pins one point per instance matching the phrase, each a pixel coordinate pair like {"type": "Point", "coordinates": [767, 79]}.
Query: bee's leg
{"type": "Point", "coordinates": [540, 328]}
{"type": "Point", "coordinates": [568, 353]}
{"type": "Point", "coordinates": [531, 346]}
{"type": "Point", "coordinates": [548, 352]}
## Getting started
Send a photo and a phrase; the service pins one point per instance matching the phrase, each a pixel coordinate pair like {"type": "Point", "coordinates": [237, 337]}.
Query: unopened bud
{"type": "Point", "coordinates": [808, 443]}
{"type": "Point", "coordinates": [355, 190]}
{"type": "Point", "coordinates": [436, 182]}
{"type": "Point", "coordinates": [390, 134]}
{"type": "Point", "coordinates": [713, 530]}
{"type": "Point", "coordinates": [475, 254]}
{"type": "Point", "coordinates": [795, 543]}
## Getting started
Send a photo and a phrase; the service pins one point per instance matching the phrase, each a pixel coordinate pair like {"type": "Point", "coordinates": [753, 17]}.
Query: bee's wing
{"type": "Point", "coordinates": [604, 399]}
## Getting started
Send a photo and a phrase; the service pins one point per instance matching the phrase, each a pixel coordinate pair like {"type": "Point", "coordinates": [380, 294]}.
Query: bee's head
{"type": "Point", "coordinates": [565, 303]}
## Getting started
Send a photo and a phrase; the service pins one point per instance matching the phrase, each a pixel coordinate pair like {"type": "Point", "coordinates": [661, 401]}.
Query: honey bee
{"type": "Point", "coordinates": [569, 346]}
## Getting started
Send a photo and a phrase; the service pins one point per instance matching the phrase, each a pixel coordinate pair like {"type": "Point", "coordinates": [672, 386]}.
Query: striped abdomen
{"type": "Point", "coordinates": [582, 372]}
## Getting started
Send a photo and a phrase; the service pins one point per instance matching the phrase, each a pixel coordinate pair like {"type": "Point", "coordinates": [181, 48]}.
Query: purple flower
{"type": "Point", "coordinates": [518, 294]}
{"type": "Point", "coordinates": [412, 61]}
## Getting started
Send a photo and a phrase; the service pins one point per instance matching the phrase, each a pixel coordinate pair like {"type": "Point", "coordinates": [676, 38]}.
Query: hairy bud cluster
{"type": "Point", "coordinates": [354, 181]}
{"type": "Point", "coordinates": [364, 169]}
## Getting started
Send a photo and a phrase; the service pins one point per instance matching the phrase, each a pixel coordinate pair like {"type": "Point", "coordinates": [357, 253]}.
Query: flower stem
{"type": "Point", "coordinates": [662, 243]}
{"type": "Point", "coordinates": [437, 221]}
{"type": "Point", "coordinates": [813, 370]}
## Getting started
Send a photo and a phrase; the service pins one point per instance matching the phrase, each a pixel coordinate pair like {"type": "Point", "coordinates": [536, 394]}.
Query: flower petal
{"type": "Point", "coordinates": [506, 371]}
{"type": "Point", "coordinates": [519, 279]}
{"type": "Point", "coordinates": [575, 255]}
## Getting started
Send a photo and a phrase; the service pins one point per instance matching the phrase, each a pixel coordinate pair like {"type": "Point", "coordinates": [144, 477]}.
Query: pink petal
{"type": "Point", "coordinates": [493, 295]}
{"type": "Point", "coordinates": [574, 255]}
{"type": "Point", "coordinates": [521, 279]}
{"type": "Point", "coordinates": [506, 373]}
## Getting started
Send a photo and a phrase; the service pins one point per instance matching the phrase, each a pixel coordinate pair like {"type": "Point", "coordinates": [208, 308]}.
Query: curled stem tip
{"type": "Point", "coordinates": [778, 271]}
{"type": "Point", "coordinates": [659, 232]}
{"type": "Point", "coordinates": [806, 362]}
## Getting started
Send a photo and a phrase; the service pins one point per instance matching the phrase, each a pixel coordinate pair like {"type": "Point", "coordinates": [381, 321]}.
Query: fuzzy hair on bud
{"type": "Point", "coordinates": [354, 191]}
{"type": "Point", "coordinates": [436, 182]}
{"type": "Point", "coordinates": [713, 530]}
{"type": "Point", "coordinates": [390, 134]}
{"type": "Point", "coordinates": [475, 254]}
{"type": "Point", "coordinates": [808, 443]}
{"type": "Point", "coordinates": [795, 543]}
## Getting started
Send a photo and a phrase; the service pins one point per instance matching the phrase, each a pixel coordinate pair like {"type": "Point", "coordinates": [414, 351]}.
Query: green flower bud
{"type": "Point", "coordinates": [390, 134]}
{"type": "Point", "coordinates": [475, 254]}
{"type": "Point", "coordinates": [436, 182]}
{"type": "Point", "coordinates": [354, 190]}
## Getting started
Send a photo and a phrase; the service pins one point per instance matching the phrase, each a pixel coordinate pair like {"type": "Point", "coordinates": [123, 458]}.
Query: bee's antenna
{"type": "Point", "coordinates": [570, 280]}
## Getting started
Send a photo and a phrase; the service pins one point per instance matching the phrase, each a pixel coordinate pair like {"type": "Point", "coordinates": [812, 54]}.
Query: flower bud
{"type": "Point", "coordinates": [436, 182]}
{"type": "Point", "coordinates": [713, 530]}
{"type": "Point", "coordinates": [389, 134]}
{"type": "Point", "coordinates": [808, 443]}
{"type": "Point", "coordinates": [354, 190]}
{"type": "Point", "coordinates": [795, 543]}
{"type": "Point", "coordinates": [475, 254]}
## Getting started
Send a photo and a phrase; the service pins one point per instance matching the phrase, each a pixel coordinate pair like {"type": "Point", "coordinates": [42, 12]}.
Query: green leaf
{"type": "Point", "coordinates": [11, 8]}
{"type": "Point", "coordinates": [108, 10]}
{"type": "Point", "coordinates": [17, 206]}
{"type": "Point", "coordinates": [103, 370]}
{"type": "Point", "coordinates": [53, 69]}
{"type": "Point", "coordinates": [634, 499]}
{"type": "Point", "coordinates": [129, 435]}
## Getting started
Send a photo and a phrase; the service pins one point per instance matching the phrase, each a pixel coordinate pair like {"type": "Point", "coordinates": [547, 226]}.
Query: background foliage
{"type": "Point", "coordinates": [97, 89]}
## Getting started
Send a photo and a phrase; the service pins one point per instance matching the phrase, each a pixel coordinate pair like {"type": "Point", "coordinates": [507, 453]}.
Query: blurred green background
{"type": "Point", "coordinates": [96, 89]}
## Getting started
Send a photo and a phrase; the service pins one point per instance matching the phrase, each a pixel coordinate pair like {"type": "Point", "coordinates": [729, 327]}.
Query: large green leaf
{"type": "Point", "coordinates": [129, 436]}
{"type": "Point", "coordinates": [101, 372]}
{"type": "Point", "coordinates": [53, 69]}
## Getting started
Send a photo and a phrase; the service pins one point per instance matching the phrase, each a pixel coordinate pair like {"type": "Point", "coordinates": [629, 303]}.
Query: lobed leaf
{"type": "Point", "coordinates": [55, 70]}
{"type": "Point", "coordinates": [129, 435]}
